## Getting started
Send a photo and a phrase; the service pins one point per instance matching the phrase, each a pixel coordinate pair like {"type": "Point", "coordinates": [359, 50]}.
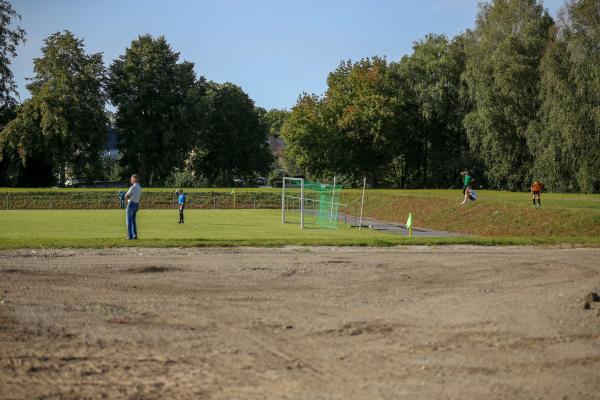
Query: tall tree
{"type": "Point", "coordinates": [309, 146]}
{"type": "Point", "coordinates": [365, 116]}
{"type": "Point", "coordinates": [25, 161]}
{"type": "Point", "coordinates": [355, 130]}
{"type": "Point", "coordinates": [157, 100]}
{"type": "Point", "coordinates": [10, 38]}
{"type": "Point", "coordinates": [566, 139]}
{"type": "Point", "coordinates": [502, 73]}
{"type": "Point", "coordinates": [233, 140]}
{"type": "Point", "coordinates": [63, 122]}
{"type": "Point", "coordinates": [430, 79]}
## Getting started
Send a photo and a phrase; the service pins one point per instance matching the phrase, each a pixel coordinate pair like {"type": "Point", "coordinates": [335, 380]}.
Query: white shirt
{"type": "Point", "coordinates": [134, 193]}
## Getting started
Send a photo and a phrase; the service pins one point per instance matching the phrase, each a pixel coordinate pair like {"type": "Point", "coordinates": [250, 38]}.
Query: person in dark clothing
{"type": "Point", "coordinates": [181, 202]}
{"type": "Point", "coordinates": [121, 195]}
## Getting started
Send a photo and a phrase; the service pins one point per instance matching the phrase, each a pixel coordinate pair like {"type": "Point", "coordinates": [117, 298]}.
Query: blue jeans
{"type": "Point", "coordinates": [130, 213]}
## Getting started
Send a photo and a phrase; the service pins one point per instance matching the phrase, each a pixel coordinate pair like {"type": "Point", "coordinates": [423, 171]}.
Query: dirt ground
{"type": "Point", "coordinates": [300, 323]}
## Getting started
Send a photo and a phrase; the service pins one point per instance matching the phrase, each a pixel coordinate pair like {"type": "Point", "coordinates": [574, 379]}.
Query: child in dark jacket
{"type": "Point", "coordinates": [181, 203]}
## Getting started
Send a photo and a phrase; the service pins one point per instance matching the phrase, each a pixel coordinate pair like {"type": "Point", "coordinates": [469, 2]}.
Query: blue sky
{"type": "Point", "coordinates": [274, 50]}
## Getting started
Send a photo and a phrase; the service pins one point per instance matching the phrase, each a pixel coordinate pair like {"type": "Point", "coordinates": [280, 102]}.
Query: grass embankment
{"type": "Point", "coordinates": [495, 214]}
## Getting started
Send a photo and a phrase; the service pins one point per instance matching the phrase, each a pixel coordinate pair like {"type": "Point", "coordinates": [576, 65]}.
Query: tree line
{"type": "Point", "coordinates": [514, 99]}
{"type": "Point", "coordinates": [171, 125]}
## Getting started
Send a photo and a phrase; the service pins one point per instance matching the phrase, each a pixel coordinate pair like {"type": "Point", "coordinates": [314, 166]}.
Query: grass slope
{"type": "Point", "coordinates": [495, 214]}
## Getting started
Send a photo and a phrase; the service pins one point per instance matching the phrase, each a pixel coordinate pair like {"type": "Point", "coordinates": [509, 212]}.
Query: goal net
{"type": "Point", "coordinates": [310, 202]}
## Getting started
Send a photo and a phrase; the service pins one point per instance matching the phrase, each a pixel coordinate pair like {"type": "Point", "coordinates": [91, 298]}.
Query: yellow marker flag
{"type": "Point", "coordinates": [409, 221]}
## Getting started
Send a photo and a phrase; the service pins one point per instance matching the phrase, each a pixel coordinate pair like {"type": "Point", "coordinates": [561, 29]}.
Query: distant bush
{"type": "Point", "coordinates": [183, 179]}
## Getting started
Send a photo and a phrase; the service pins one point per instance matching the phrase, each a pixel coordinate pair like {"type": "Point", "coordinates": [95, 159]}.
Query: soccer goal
{"type": "Point", "coordinates": [309, 202]}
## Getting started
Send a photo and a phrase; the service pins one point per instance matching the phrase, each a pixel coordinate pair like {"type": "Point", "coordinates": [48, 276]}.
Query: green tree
{"type": "Point", "coordinates": [566, 139]}
{"type": "Point", "coordinates": [233, 141]}
{"type": "Point", "coordinates": [309, 146]}
{"type": "Point", "coordinates": [355, 130]}
{"type": "Point", "coordinates": [430, 81]}
{"type": "Point", "coordinates": [159, 108]}
{"type": "Point", "coordinates": [502, 73]}
{"type": "Point", "coordinates": [63, 123]}
{"type": "Point", "coordinates": [24, 161]}
{"type": "Point", "coordinates": [366, 117]}
{"type": "Point", "coordinates": [10, 38]}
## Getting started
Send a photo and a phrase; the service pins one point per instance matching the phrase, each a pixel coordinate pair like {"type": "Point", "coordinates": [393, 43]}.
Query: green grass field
{"type": "Point", "coordinates": [83, 228]}
{"type": "Point", "coordinates": [159, 228]}
{"type": "Point", "coordinates": [496, 218]}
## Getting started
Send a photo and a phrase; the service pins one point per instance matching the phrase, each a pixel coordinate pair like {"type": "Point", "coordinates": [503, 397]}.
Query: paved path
{"type": "Point", "coordinates": [400, 229]}
{"type": "Point", "coordinates": [391, 227]}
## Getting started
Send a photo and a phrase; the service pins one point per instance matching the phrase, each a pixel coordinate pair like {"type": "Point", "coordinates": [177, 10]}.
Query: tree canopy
{"type": "Point", "coordinates": [157, 99]}
{"type": "Point", "coordinates": [10, 38]}
{"type": "Point", "coordinates": [233, 140]}
{"type": "Point", "coordinates": [515, 99]}
{"type": "Point", "coordinates": [503, 78]}
{"type": "Point", "coordinates": [63, 123]}
{"type": "Point", "coordinates": [565, 138]}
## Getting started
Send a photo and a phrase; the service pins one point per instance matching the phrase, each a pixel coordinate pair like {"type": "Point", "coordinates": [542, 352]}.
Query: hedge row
{"type": "Point", "coordinates": [156, 200]}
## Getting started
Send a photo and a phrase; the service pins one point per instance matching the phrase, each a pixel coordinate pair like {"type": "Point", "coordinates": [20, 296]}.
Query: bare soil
{"type": "Point", "coordinates": [300, 323]}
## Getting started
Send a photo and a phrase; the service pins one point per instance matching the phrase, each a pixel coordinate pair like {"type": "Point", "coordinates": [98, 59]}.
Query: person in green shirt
{"type": "Point", "coordinates": [466, 180]}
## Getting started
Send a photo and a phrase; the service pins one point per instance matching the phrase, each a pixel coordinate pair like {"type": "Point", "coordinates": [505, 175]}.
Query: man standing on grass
{"type": "Point", "coordinates": [133, 196]}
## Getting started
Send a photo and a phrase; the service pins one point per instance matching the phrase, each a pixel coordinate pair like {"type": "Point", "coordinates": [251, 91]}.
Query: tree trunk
{"type": "Point", "coordinates": [62, 181]}
{"type": "Point", "coordinates": [425, 165]}
{"type": "Point", "coordinates": [404, 172]}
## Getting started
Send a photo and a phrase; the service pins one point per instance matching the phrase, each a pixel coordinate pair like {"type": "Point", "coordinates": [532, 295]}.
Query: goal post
{"type": "Point", "coordinates": [316, 202]}
{"type": "Point", "coordinates": [295, 182]}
